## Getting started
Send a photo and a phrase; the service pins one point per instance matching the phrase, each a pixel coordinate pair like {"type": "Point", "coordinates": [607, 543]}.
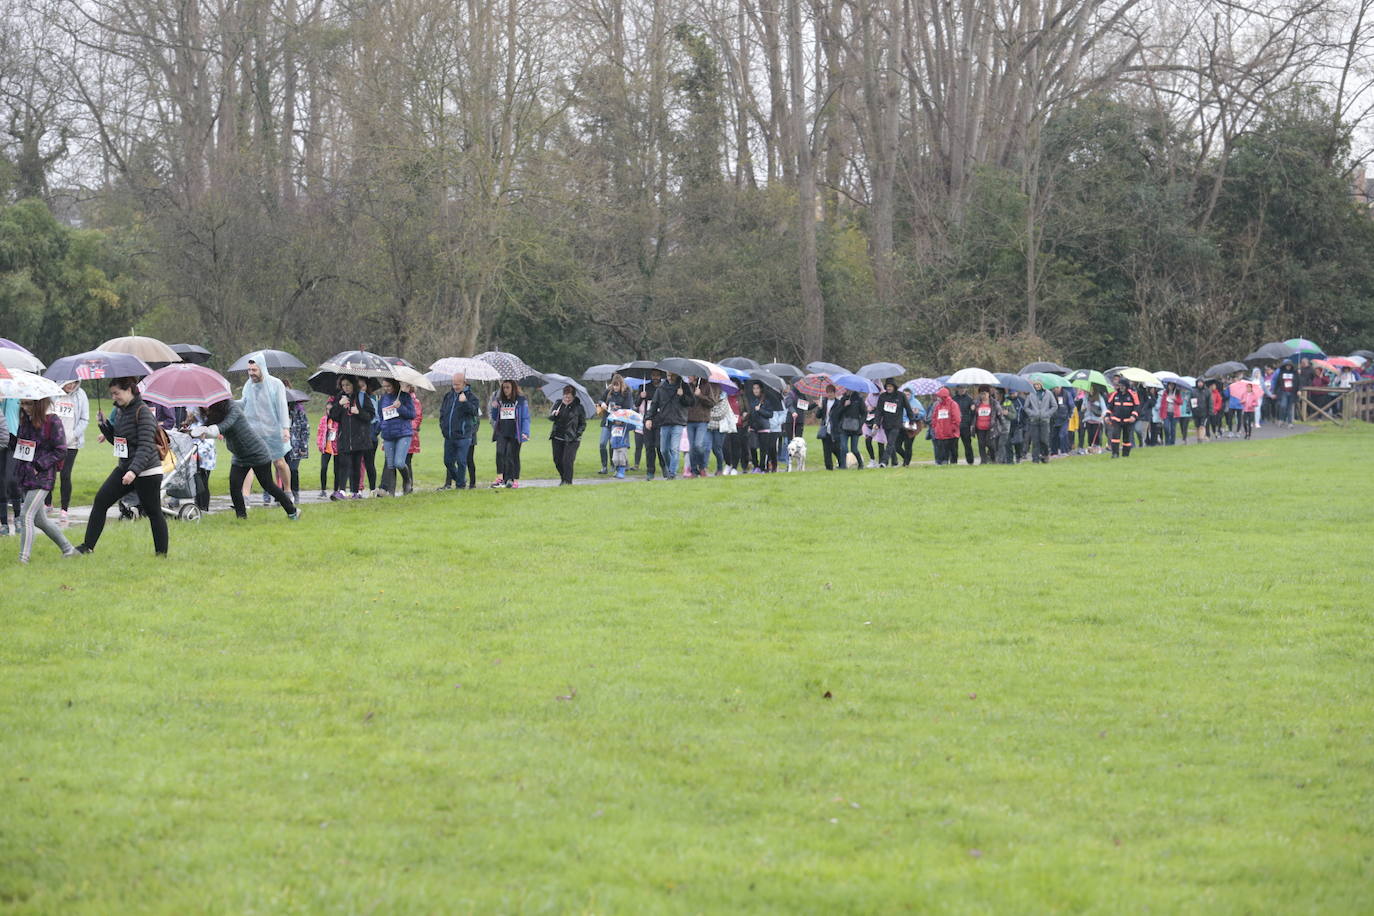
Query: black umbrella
{"type": "Point", "coordinates": [1221, 369]}
{"type": "Point", "coordinates": [358, 362]}
{"type": "Point", "coordinates": [768, 380]}
{"type": "Point", "coordinates": [1275, 352]}
{"type": "Point", "coordinates": [688, 368]}
{"type": "Point", "coordinates": [1367, 354]}
{"type": "Point", "coordinates": [740, 362]}
{"type": "Point", "coordinates": [276, 361]}
{"type": "Point", "coordinates": [190, 353]}
{"type": "Point", "coordinates": [822, 368]}
{"type": "Point", "coordinates": [785, 370]}
{"type": "Point", "coordinates": [326, 381]}
{"type": "Point", "coordinates": [640, 368]}
{"type": "Point", "coordinates": [1044, 367]}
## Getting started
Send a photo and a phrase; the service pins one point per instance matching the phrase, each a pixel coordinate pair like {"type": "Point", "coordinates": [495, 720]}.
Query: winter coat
{"type": "Point", "coordinates": [668, 408]}
{"type": "Point", "coordinates": [945, 416]}
{"type": "Point", "coordinates": [241, 438]}
{"type": "Point", "coordinates": [1041, 405]}
{"type": "Point", "coordinates": [853, 406]}
{"type": "Point", "coordinates": [355, 429]}
{"type": "Point", "coordinates": [569, 420]}
{"type": "Point", "coordinates": [137, 426]}
{"type": "Point", "coordinates": [326, 432]}
{"type": "Point", "coordinates": [300, 434]}
{"type": "Point", "coordinates": [521, 417]}
{"type": "Point", "coordinates": [74, 410]}
{"type": "Point", "coordinates": [50, 450]}
{"type": "Point", "coordinates": [1123, 405]}
{"type": "Point", "coordinates": [415, 426]}
{"type": "Point", "coordinates": [965, 413]}
{"type": "Point", "coordinates": [397, 426]}
{"type": "Point", "coordinates": [458, 419]}
{"type": "Point", "coordinates": [761, 412]}
{"type": "Point", "coordinates": [890, 418]}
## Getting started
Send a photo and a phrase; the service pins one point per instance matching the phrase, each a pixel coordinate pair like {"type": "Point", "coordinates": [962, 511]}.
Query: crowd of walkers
{"type": "Point", "coordinates": [665, 424]}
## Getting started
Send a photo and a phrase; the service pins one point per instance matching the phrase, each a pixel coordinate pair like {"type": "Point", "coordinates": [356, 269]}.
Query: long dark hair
{"type": "Point", "coordinates": [514, 390]}
{"type": "Point", "coordinates": [38, 411]}
{"type": "Point", "coordinates": [216, 412]}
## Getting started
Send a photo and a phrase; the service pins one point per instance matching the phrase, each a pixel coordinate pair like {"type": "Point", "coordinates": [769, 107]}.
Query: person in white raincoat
{"type": "Point", "coordinates": [264, 406]}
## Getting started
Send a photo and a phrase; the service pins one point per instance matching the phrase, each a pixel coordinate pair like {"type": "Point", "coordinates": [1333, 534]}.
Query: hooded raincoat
{"type": "Point", "coordinates": [264, 406]}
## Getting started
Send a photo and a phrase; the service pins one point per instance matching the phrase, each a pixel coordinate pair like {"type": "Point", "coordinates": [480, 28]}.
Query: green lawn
{"type": "Point", "coordinates": [1140, 686]}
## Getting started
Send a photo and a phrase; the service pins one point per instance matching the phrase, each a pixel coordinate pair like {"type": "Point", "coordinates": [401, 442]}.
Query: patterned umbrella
{"type": "Point", "coordinates": [922, 386]}
{"type": "Point", "coordinates": [881, 370]}
{"type": "Point", "coordinates": [186, 385]}
{"type": "Point", "coordinates": [20, 359]}
{"type": "Point", "coordinates": [149, 349]}
{"type": "Point", "coordinates": [276, 361]}
{"type": "Point", "coordinates": [474, 369]}
{"type": "Point", "coordinates": [813, 385]}
{"type": "Point", "coordinates": [627, 416]}
{"type": "Point", "coordinates": [357, 362]}
{"type": "Point", "coordinates": [409, 375]}
{"type": "Point", "coordinates": [97, 364]}
{"type": "Point", "coordinates": [1305, 347]}
{"type": "Point", "coordinates": [25, 386]}
{"type": "Point", "coordinates": [508, 366]}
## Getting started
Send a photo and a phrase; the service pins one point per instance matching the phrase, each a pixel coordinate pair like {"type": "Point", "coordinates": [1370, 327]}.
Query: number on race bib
{"type": "Point", "coordinates": [942, 415]}
{"type": "Point", "coordinates": [66, 409]}
{"type": "Point", "coordinates": [890, 406]}
{"type": "Point", "coordinates": [803, 405]}
{"type": "Point", "coordinates": [121, 447]}
{"type": "Point", "coordinates": [23, 450]}
{"type": "Point", "coordinates": [390, 412]}
{"type": "Point", "coordinates": [507, 413]}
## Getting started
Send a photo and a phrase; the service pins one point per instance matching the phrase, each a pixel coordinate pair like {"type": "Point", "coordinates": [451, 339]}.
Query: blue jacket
{"type": "Point", "coordinates": [458, 419]}
{"type": "Point", "coordinates": [522, 417]}
{"type": "Point", "coordinates": [398, 427]}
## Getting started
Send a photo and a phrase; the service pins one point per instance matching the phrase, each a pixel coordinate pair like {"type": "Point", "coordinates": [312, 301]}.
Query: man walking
{"type": "Point", "coordinates": [1041, 407]}
{"type": "Point", "coordinates": [666, 418]}
{"type": "Point", "coordinates": [264, 406]}
{"type": "Point", "coordinates": [458, 425]}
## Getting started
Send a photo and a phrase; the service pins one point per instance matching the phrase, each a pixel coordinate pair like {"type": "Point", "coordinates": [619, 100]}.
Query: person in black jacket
{"type": "Point", "coordinates": [353, 411]}
{"type": "Point", "coordinates": [138, 467]}
{"type": "Point", "coordinates": [569, 422]}
{"type": "Point", "coordinates": [848, 416]}
{"type": "Point", "coordinates": [965, 403]}
{"type": "Point", "coordinates": [646, 440]}
{"type": "Point", "coordinates": [892, 412]}
{"type": "Point", "coordinates": [829, 430]}
{"type": "Point", "coordinates": [761, 407]}
{"type": "Point", "coordinates": [225, 418]}
{"type": "Point", "coordinates": [1123, 409]}
{"type": "Point", "coordinates": [666, 418]}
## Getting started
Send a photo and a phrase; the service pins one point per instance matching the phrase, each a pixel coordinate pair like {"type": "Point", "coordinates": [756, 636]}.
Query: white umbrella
{"type": "Point", "coordinates": [973, 376]}
{"type": "Point", "coordinates": [26, 386]}
{"type": "Point", "coordinates": [476, 370]}
{"type": "Point", "coordinates": [409, 376]}
{"type": "Point", "coordinates": [22, 360]}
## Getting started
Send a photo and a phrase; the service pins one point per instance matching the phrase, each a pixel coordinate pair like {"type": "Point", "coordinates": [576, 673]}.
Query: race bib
{"type": "Point", "coordinates": [507, 413]}
{"type": "Point", "coordinates": [23, 450]}
{"type": "Point", "coordinates": [984, 411]}
{"type": "Point", "coordinates": [803, 405]}
{"type": "Point", "coordinates": [1193, 403]}
{"type": "Point", "coordinates": [390, 412]}
{"type": "Point", "coordinates": [942, 415]}
{"type": "Point", "coordinates": [890, 406]}
{"type": "Point", "coordinates": [66, 410]}
{"type": "Point", "coordinates": [121, 447]}
{"type": "Point", "coordinates": [333, 434]}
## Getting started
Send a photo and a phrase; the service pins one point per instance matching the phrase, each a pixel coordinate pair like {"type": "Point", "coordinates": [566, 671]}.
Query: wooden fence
{"type": "Point", "coordinates": [1338, 404]}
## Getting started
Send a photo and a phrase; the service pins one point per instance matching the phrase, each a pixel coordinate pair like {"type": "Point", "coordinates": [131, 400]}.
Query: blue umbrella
{"type": "Point", "coordinates": [97, 364]}
{"type": "Point", "coordinates": [635, 383]}
{"type": "Point", "coordinates": [855, 383]}
{"type": "Point", "coordinates": [1013, 382]}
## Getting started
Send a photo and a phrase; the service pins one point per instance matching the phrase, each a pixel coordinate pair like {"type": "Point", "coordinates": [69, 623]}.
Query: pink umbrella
{"type": "Point", "coordinates": [1337, 362]}
{"type": "Point", "coordinates": [1248, 392]}
{"type": "Point", "coordinates": [186, 385]}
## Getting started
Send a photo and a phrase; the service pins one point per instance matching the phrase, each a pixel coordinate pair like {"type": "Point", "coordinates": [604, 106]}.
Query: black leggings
{"type": "Point", "coordinates": [149, 491]}
{"type": "Point", "coordinates": [263, 472]}
{"type": "Point", "coordinates": [767, 456]}
{"type": "Point", "coordinates": [66, 481]}
{"type": "Point", "coordinates": [966, 437]}
{"type": "Point", "coordinates": [203, 490]}
{"type": "Point", "coordinates": [295, 481]}
{"type": "Point", "coordinates": [893, 449]}
{"type": "Point", "coordinates": [367, 461]}
{"type": "Point", "coordinates": [344, 476]}
{"type": "Point", "coordinates": [646, 442]}
{"type": "Point", "coordinates": [508, 458]}
{"type": "Point", "coordinates": [324, 470]}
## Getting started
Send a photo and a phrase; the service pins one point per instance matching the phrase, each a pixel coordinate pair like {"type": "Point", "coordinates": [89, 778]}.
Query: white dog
{"type": "Point", "coordinates": [796, 454]}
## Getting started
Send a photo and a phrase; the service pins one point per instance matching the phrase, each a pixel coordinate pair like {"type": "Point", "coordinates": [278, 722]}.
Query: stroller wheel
{"type": "Point", "coordinates": [189, 512]}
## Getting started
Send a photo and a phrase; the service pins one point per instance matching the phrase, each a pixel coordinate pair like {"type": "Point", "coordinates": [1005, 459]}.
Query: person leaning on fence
{"type": "Point", "coordinates": [134, 436]}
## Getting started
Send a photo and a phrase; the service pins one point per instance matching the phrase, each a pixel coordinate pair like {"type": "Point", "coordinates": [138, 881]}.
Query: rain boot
{"type": "Point", "coordinates": [389, 481]}
{"type": "Point", "coordinates": [407, 481]}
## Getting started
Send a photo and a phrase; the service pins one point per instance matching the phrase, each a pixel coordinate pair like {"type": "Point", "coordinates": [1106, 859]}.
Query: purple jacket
{"type": "Point", "coordinates": [50, 450]}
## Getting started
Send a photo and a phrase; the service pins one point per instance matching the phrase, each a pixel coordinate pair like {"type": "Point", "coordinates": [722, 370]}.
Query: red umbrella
{"type": "Point", "coordinates": [186, 385]}
{"type": "Point", "coordinates": [813, 386]}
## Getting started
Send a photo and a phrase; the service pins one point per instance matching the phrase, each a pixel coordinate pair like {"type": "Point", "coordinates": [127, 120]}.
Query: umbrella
{"type": "Point", "coordinates": [688, 368]}
{"type": "Point", "coordinates": [326, 381]}
{"type": "Point", "coordinates": [295, 395]}
{"type": "Point", "coordinates": [190, 353]}
{"type": "Point", "coordinates": [1084, 379]}
{"type": "Point", "coordinates": [853, 382]}
{"type": "Point", "coordinates": [922, 386]}
{"type": "Point", "coordinates": [740, 362]}
{"type": "Point", "coordinates": [1148, 379]}
{"type": "Point", "coordinates": [881, 370]}
{"type": "Point", "coordinates": [1339, 362]}
{"type": "Point", "coordinates": [823, 368]}
{"type": "Point", "coordinates": [627, 416]}
{"type": "Point", "coordinates": [1367, 354]}
{"type": "Point", "coordinates": [768, 380]}
{"type": "Point", "coordinates": [600, 373]}
{"type": "Point", "coordinates": [1173, 378]}
{"type": "Point", "coordinates": [409, 375]}
{"type": "Point", "coordinates": [97, 364]}
{"type": "Point", "coordinates": [783, 370]}
{"type": "Point", "coordinates": [1052, 380]}
{"type": "Point", "coordinates": [274, 360]}
{"type": "Point", "coordinates": [510, 367]}
{"type": "Point", "coordinates": [399, 361]}
{"type": "Point", "coordinates": [1305, 347]}
{"type": "Point", "coordinates": [976, 376]}
{"type": "Point", "coordinates": [1012, 382]}
{"type": "Point", "coordinates": [26, 386]}
{"type": "Point", "coordinates": [357, 362]}
{"type": "Point", "coordinates": [1275, 352]}
{"type": "Point", "coordinates": [186, 385]}
{"type": "Point", "coordinates": [22, 360]}
{"type": "Point", "coordinates": [1043, 367]}
{"type": "Point", "coordinates": [640, 368]}
{"type": "Point", "coordinates": [7, 344]}
{"type": "Point", "coordinates": [149, 349]}
{"type": "Point", "coordinates": [635, 383]}
{"type": "Point", "coordinates": [553, 390]}
{"type": "Point", "coordinates": [1221, 369]}
{"type": "Point", "coordinates": [474, 369]}
{"type": "Point", "coordinates": [813, 385]}
{"type": "Point", "coordinates": [1247, 391]}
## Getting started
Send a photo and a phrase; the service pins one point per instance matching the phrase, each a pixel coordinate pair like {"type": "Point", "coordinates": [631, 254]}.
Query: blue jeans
{"type": "Point", "coordinates": [1169, 435]}
{"type": "Point", "coordinates": [456, 459]}
{"type": "Point", "coordinates": [700, 437]}
{"type": "Point", "coordinates": [1285, 406]}
{"type": "Point", "coordinates": [849, 444]}
{"type": "Point", "coordinates": [670, 447]}
{"type": "Point", "coordinates": [394, 452]}
{"type": "Point", "coordinates": [717, 447]}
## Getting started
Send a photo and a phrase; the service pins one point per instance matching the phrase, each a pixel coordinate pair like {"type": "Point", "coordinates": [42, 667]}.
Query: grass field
{"type": "Point", "coordinates": [1130, 686]}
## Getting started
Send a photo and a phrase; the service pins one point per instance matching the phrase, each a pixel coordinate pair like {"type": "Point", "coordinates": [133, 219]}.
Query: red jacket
{"type": "Point", "coordinates": [944, 416]}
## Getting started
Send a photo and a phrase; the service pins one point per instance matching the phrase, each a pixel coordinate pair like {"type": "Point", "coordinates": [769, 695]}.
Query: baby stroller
{"type": "Point", "coordinates": [178, 487]}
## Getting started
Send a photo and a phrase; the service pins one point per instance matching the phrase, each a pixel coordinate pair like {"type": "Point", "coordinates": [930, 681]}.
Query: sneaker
{"type": "Point", "coordinates": [603, 472]}
{"type": "Point", "coordinates": [62, 520]}
{"type": "Point", "coordinates": [82, 549]}
{"type": "Point", "coordinates": [497, 484]}
{"type": "Point", "coordinates": [513, 485]}
{"type": "Point", "coordinates": [4, 531]}
{"type": "Point", "coordinates": [336, 496]}
{"type": "Point", "coordinates": [295, 516]}
{"type": "Point", "coordinates": [266, 499]}
{"type": "Point", "coordinates": [323, 494]}
{"type": "Point", "coordinates": [358, 495]}
{"type": "Point", "coordinates": [444, 487]}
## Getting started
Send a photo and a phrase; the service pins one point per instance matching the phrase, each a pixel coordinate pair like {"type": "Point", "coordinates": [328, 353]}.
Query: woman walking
{"type": "Point", "coordinates": [892, 412]}
{"type": "Point", "coordinates": [847, 423]}
{"type": "Point", "coordinates": [250, 453]}
{"type": "Point", "coordinates": [569, 422]}
{"type": "Point", "coordinates": [414, 436]}
{"type": "Point", "coordinates": [510, 428]}
{"type": "Point", "coordinates": [74, 410]}
{"type": "Point", "coordinates": [986, 418]}
{"type": "Point", "coordinates": [618, 397]}
{"type": "Point", "coordinates": [352, 413]}
{"type": "Point", "coordinates": [134, 434]}
{"type": "Point", "coordinates": [761, 408]}
{"type": "Point", "coordinates": [946, 421]}
{"type": "Point", "coordinates": [40, 450]}
{"type": "Point", "coordinates": [397, 410]}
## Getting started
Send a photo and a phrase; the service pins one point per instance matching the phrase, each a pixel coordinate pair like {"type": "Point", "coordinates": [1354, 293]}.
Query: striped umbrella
{"type": "Point", "coordinates": [813, 385]}
{"type": "Point", "coordinates": [185, 385]}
